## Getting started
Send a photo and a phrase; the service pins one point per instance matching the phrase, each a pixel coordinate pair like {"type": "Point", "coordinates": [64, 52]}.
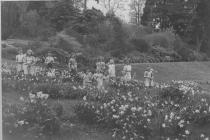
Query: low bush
{"type": "Point", "coordinates": [164, 39]}
{"type": "Point", "coordinates": [9, 53]}
{"type": "Point", "coordinates": [140, 45]}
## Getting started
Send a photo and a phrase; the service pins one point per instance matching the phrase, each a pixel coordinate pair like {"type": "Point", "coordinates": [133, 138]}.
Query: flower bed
{"type": "Point", "coordinates": [167, 112]}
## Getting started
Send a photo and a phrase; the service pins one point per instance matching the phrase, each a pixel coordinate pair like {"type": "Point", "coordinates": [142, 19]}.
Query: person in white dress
{"type": "Point", "coordinates": [100, 65]}
{"type": "Point", "coordinates": [19, 61]}
{"type": "Point", "coordinates": [127, 71]}
{"type": "Point", "coordinates": [147, 77]}
{"type": "Point", "coordinates": [111, 69]}
{"type": "Point", "coordinates": [72, 64]}
{"type": "Point", "coordinates": [99, 77]}
{"type": "Point", "coordinates": [28, 62]}
{"type": "Point", "coordinates": [49, 60]}
{"type": "Point", "coordinates": [87, 79]}
{"type": "Point", "coordinates": [151, 74]}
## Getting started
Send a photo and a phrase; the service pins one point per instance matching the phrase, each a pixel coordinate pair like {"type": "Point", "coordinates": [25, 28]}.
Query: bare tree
{"type": "Point", "coordinates": [136, 10]}
{"type": "Point", "coordinates": [112, 5]}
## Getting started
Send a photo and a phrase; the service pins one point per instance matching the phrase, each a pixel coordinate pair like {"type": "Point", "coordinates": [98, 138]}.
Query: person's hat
{"type": "Point", "coordinates": [127, 60]}
{"type": "Point", "coordinates": [112, 61]}
{"type": "Point", "coordinates": [101, 57]}
{"type": "Point", "coordinates": [148, 68]}
{"type": "Point", "coordinates": [49, 53]}
{"type": "Point", "coordinates": [20, 50]}
{"type": "Point", "coordinates": [29, 51]}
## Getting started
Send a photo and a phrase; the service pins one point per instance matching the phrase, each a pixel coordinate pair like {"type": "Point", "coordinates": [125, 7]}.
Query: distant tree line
{"type": "Point", "coordinates": [190, 19]}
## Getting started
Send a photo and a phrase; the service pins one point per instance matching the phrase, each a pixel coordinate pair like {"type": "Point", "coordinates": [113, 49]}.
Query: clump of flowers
{"type": "Point", "coordinates": [32, 115]}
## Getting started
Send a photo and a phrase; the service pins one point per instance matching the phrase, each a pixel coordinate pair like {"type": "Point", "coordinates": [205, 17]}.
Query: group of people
{"type": "Point", "coordinates": [26, 62]}
{"type": "Point", "coordinates": [149, 77]}
{"type": "Point", "coordinates": [104, 72]}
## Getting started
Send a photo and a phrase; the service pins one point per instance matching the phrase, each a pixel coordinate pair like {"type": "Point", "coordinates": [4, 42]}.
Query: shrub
{"type": "Point", "coordinates": [164, 39]}
{"type": "Point", "coordinates": [140, 45]}
{"type": "Point", "coordinates": [9, 53]}
{"type": "Point", "coordinates": [86, 113]}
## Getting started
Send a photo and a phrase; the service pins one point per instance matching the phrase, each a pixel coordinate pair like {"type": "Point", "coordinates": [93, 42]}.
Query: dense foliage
{"type": "Point", "coordinates": [65, 26]}
{"type": "Point", "coordinates": [189, 19]}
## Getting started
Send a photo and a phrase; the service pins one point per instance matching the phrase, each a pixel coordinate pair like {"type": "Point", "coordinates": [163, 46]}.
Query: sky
{"type": "Point", "coordinates": [123, 14]}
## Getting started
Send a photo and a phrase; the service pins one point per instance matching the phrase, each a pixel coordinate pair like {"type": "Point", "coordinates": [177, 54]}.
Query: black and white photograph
{"type": "Point", "coordinates": [105, 70]}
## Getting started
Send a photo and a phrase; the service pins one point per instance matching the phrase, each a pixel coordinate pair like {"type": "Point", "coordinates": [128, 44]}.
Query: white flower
{"type": "Point", "coordinates": [197, 111]}
{"type": "Point", "coordinates": [122, 112]}
{"type": "Point", "coordinates": [139, 109]}
{"type": "Point", "coordinates": [44, 96]}
{"type": "Point", "coordinates": [39, 94]}
{"type": "Point", "coordinates": [129, 94]}
{"type": "Point", "coordinates": [32, 96]}
{"type": "Point", "coordinates": [114, 135]}
{"type": "Point", "coordinates": [163, 125]}
{"type": "Point", "coordinates": [206, 138]}
{"type": "Point", "coordinates": [181, 125]}
{"type": "Point", "coordinates": [21, 122]}
{"type": "Point", "coordinates": [123, 137]}
{"type": "Point", "coordinates": [202, 135]}
{"type": "Point", "coordinates": [115, 116]}
{"type": "Point", "coordinates": [74, 88]}
{"type": "Point", "coordinates": [124, 98]}
{"type": "Point", "coordinates": [149, 112]}
{"type": "Point", "coordinates": [84, 98]}
{"type": "Point", "coordinates": [133, 109]}
{"type": "Point", "coordinates": [21, 98]}
{"type": "Point", "coordinates": [172, 115]}
{"type": "Point", "coordinates": [113, 101]}
{"type": "Point", "coordinates": [203, 100]}
{"type": "Point", "coordinates": [187, 132]}
{"type": "Point", "coordinates": [166, 117]}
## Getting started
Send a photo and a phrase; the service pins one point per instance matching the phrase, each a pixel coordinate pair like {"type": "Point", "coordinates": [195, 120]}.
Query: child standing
{"type": "Point", "coordinates": [19, 61]}
{"type": "Point", "coordinates": [151, 74]}
{"type": "Point", "coordinates": [100, 65]}
{"type": "Point", "coordinates": [29, 61]}
{"type": "Point", "coordinates": [49, 60]}
{"type": "Point", "coordinates": [99, 77]}
{"type": "Point", "coordinates": [147, 77]}
{"type": "Point", "coordinates": [72, 64]}
{"type": "Point", "coordinates": [127, 71]}
{"type": "Point", "coordinates": [87, 79]}
{"type": "Point", "coordinates": [111, 69]}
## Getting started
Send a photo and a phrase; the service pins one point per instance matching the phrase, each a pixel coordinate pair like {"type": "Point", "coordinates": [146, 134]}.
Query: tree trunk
{"type": "Point", "coordinates": [85, 4]}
